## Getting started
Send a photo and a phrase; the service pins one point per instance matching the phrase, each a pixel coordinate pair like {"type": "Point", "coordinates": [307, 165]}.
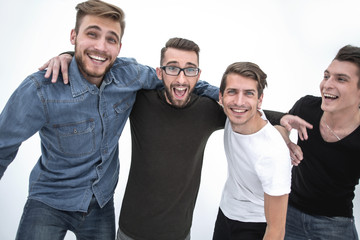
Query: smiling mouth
{"type": "Point", "coordinates": [97, 58]}
{"type": "Point", "coordinates": [237, 110]}
{"type": "Point", "coordinates": [330, 96]}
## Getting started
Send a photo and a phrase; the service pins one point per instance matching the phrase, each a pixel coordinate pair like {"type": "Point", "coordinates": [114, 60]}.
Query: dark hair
{"type": "Point", "coordinates": [181, 44]}
{"type": "Point", "coordinates": [100, 9]}
{"type": "Point", "coordinates": [245, 69]}
{"type": "Point", "coordinates": [351, 54]}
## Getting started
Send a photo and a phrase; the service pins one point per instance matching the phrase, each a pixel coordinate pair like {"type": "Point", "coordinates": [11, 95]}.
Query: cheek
{"type": "Point", "coordinates": [166, 82]}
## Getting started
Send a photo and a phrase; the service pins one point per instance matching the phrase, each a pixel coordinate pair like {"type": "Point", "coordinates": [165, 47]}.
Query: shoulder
{"type": "Point", "coordinates": [205, 101]}
{"type": "Point", "coordinates": [129, 64]}
{"type": "Point", "coordinates": [147, 93]}
{"type": "Point", "coordinates": [309, 100]}
{"type": "Point", "coordinates": [36, 81]}
{"type": "Point", "coordinates": [306, 105]}
{"type": "Point", "coordinates": [273, 142]}
{"type": "Point", "coordinates": [128, 70]}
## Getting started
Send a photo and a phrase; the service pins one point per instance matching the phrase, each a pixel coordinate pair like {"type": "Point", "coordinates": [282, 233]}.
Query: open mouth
{"type": "Point", "coordinates": [180, 92]}
{"type": "Point", "coordinates": [330, 96]}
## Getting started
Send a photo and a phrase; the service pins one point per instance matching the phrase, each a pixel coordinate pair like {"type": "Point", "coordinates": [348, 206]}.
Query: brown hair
{"type": "Point", "coordinates": [245, 69]}
{"type": "Point", "coordinates": [181, 44]}
{"type": "Point", "coordinates": [100, 9]}
{"type": "Point", "coordinates": [351, 54]}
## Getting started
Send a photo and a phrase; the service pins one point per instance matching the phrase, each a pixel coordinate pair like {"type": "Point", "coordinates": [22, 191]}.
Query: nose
{"type": "Point", "coordinates": [239, 99]}
{"type": "Point", "coordinates": [181, 77]}
{"type": "Point", "coordinates": [328, 83]}
{"type": "Point", "coordinates": [100, 44]}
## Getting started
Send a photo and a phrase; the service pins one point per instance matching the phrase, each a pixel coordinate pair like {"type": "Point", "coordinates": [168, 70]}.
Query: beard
{"type": "Point", "coordinates": [175, 102]}
{"type": "Point", "coordinates": [87, 71]}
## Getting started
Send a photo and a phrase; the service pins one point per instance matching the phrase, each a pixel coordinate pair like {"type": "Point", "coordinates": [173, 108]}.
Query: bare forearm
{"type": "Point", "coordinates": [275, 213]}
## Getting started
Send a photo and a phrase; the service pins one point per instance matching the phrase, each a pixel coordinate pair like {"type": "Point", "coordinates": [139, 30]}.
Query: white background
{"type": "Point", "coordinates": [292, 41]}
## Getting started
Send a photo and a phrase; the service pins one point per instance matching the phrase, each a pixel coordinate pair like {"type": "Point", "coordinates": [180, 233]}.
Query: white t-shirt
{"type": "Point", "coordinates": [257, 163]}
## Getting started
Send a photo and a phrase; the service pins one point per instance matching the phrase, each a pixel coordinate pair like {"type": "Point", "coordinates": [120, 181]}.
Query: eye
{"type": "Point", "coordinates": [190, 70]}
{"type": "Point", "coordinates": [326, 77]}
{"type": "Point", "coordinates": [250, 93]}
{"type": "Point", "coordinates": [340, 79]}
{"type": "Point", "coordinates": [171, 68]}
{"type": "Point", "coordinates": [91, 34]}
{"type": "Point", "coordinates": [112, 40]}
{"type": "Point", "coordinates": [231, 92]}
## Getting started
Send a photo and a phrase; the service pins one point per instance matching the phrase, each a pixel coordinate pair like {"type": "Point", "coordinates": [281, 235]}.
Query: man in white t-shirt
{"type": "Point", "coordinates": [255, 196]}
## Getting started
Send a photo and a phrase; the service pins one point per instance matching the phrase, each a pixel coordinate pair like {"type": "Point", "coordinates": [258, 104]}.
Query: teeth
{"type": "Point", "coordinates": [180, 89]}
{"type": "Point", "coordinates": [327, 95]}
{"type": "Point", "coordinates": [239, 110]}
{"type": "Point", "coordinates": [97, 58]}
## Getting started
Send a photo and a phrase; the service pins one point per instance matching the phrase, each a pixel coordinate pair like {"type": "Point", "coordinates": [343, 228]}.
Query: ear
{"type": "Point", "coordinates": [73, 37]}
{"type": "Point", "coordinates": [198, 76]}
{"type": "Point", "coordinates": [159, 73]}
{"type": "Point", "coordinates": [260, 101]}
{"type": "Point", "coordinates": [220, 99]}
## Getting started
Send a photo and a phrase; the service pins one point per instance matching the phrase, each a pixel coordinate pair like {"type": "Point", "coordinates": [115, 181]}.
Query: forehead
{"type": "Point", "coordinates": [337, 67]}
{"type": "Point", "coordinates": [106, 25]}
{"type": "Point", "coordinates": [236, 81]}
{"type": "Point", "coordinates": [182, 57]}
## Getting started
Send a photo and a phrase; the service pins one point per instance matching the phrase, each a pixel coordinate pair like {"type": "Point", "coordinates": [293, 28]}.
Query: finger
{"type": "Point", "coordinates": [44, 66]}
{"type": "Point", "coordinates": [64, 71]}
{"type": "Point", "coordinates": [48, 70]}
{"type": "Point", "coordinates": [300, 134]}
{"type": "Point", "coordinates": [294, 159]}
{"type": "Point", "coordinates": [55, 72]}
{"type": "Point", "coordinates": [304, 132]}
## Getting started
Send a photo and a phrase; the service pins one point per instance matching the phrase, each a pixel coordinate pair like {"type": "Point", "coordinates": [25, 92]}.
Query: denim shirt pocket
{"type": "Point", "coordinates": [124, 105]}
{"type": "Point", "coordinates": [77, 138]}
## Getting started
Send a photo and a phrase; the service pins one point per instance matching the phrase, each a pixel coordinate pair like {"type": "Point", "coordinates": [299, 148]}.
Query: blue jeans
{"type": "Point", "coordinates": [302, 226]}
{"type": "Point", "coordinates": [41, 222]}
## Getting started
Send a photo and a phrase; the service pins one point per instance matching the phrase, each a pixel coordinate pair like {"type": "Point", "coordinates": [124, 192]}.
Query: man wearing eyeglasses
{"type": "Point", "coordinates": [169, 128]}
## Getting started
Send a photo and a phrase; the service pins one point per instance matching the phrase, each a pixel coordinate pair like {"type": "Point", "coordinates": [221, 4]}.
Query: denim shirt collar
{"type": "Point", "coordinates": [79, 85]}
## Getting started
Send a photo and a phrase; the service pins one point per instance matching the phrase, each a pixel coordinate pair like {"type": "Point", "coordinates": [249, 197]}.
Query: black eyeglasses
{"type": "Point", "coordinates": [175, 71]}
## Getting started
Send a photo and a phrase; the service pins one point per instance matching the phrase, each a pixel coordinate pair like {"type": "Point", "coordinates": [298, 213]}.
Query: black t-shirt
{"type": "Point", "coordinates": [324, 182]}
{"type": "Point", "coordinates": [167, 154]}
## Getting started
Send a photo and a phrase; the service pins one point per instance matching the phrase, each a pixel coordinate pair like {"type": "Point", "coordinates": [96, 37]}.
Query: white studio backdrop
{"type": "Point", "coordinates": [292, 41]}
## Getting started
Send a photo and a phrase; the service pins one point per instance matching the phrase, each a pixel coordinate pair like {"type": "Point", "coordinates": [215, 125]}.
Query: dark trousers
{"type": "Point", "coordinates": [228, 229]}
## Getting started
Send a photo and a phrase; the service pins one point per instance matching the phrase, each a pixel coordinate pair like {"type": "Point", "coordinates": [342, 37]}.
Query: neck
{"type": "Point", "coordinates": [341, 120]}
{"type": "Point", "coordinates": [94, 80]}
{"type": "Point", "coordinates": [334, 127]}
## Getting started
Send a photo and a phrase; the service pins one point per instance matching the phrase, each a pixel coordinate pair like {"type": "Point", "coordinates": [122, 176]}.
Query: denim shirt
{"type": "Point", "coordinates": [79, 127]}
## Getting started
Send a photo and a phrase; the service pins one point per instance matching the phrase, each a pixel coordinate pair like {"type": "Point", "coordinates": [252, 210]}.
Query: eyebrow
{"type": "Point", "coordinates": [99, 29]}
{"type": "Point", "coordinates": [188, 63]}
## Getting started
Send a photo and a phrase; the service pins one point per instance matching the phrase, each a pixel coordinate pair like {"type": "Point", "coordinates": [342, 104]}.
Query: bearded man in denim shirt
{"type": "Point", "coordinates": [71, 186]}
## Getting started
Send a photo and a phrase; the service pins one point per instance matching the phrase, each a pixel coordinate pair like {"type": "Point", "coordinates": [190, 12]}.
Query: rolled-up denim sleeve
{"type": "Point", "coordinates": [203, 88]}
{"type": "Point", "coordinates": [149, 78]}
{"type": "Point", "coordinates": [22, 117]}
